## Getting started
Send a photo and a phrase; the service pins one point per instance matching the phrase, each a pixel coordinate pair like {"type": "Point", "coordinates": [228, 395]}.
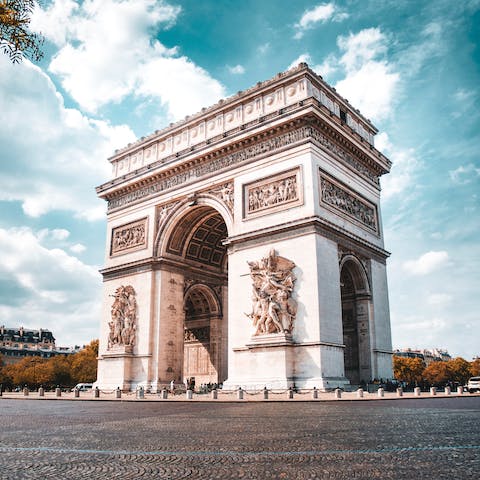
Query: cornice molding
{"type": "Point", "coordinates": [292, 133]}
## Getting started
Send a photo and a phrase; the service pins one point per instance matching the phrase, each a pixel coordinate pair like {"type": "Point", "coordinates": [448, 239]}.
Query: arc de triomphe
{"type": "Point", "coordinates": [245, 246]}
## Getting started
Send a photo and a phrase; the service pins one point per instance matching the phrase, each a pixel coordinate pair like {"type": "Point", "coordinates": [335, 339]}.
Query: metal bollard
{"type": "Point", "coordinates": [315, 393]}
{"type": "Point", "coordinates": [58, 392]}
{"type": "Point", "coordinates": [189, 394]}
{"type": "Point", "coordinates": [141, 393]}
{"type": "Point", "coordinates": [76, 392]}
{"type": "Point", "coordinates": [41, 392]}
{"type": "Point", "coordinates": [448, 390]}
{"type": "Point", "coordinates": [381, 392]}
{"type": "Point", "coordinates": [96, 392]}
{"type": "Point", "coordinates": [460, 390]}
{"type": "Point", "coordinates": [290, 393]}
{"type": "Point", "coordinates": [265, 393]}
{"type": "Point", "coordinates": [1, 390]}
{"type": "Point", "coordinates": [118, 393]}
{"type": "Point", "coordinates": [360, 393]}
{"type": "Point", "coordinates": [25, 392]}
{"type": "Point", "coordinates": [417, 391]}
{"type": "Point", "coordinates": [214, 394]}
{"type": "Point", "coordinates": [240, 393]}
{"type": "Point", "coordinates": [338, 393]}
{"type": "Point", "coordinates": [164, 394]}
{"type": "Point", "coordinates": [433, 391]}
{"type": "Point", "coordinates": [399, 392]}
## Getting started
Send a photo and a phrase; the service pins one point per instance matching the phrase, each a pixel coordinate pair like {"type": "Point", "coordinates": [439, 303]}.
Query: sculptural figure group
{"type": "Point", "coordinates": [124, 317]}
{"type": "Point", "coordinates": [273, 309]}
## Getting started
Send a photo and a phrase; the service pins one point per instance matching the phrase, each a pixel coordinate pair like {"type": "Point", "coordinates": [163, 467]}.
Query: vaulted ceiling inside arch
{"type": "Point", "coordinates": [198, 237]}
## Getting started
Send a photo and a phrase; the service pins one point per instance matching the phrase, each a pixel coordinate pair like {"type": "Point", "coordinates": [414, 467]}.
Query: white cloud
{"type": "Point", "coordinates": [371, 82]}
{"type": "Point", "coordinates": [319, 14]}
{"type": "Point", "coordinates": [107, 52]}
{"type": "Point", "coordinates": [324, 69]}
{"type": "Point", "coordinates": [327, 67]}
{"type": "Point", "coordinates": [47, 288]}
{"type": "Point", "coordinates": [405, 166]}
{"type": "Point", "coordinates": [431, 43]}
{"type": "Point", "coordinates": [56, 234]}
{"type": "Point", "coordinates": [236, 70]}
{"type": "Point", "coordinates": [426, 263]}
{"type": "Point", "coordinates": [439, 299]}
{"type": "Point", "coordinates": [463, 95]}
{"type": "Point", "coordinates": [78, 248]}
{"type": "Point", "coordinates": [464, 174]}
{"type": "Point", "coordinates": [183, 86]}
{"type": "Point", "coordinates": [303, 58]}
{"type": "Point", "coordinates": [264, 48]}
{"type": "Point", "coordinates": [361, 48]}
{"type": "Point", "coordinates": [52, 156]}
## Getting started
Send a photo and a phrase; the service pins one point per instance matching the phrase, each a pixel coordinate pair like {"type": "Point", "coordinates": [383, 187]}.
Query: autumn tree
{"type": "Point", "coordinates": [460, 370]}
{"type": "Point", "coordinates": [475, 368]}
{"type": "Point", "coordinates": [84, 364]}
{"type": "Point", "coordinates": [16, 40]}
{"type": "Point", "coordinates": [29, 371]}
{"type": "Point", "coordinates": [438, 373]}
{"type": "Point", "coordinates": [4, 378]}
{"type": "Point", "coordinates": [63, 370]}
{"type": "Point", "coordinates": [407, 369]}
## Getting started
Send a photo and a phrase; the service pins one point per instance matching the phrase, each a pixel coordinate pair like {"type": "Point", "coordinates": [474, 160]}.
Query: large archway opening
{"type": "Point", "coordinates": [355, 295]}
{"type": "Point", "coordinates": [202, 332]}
{"type": "Point", "coordinates": [195, 244]}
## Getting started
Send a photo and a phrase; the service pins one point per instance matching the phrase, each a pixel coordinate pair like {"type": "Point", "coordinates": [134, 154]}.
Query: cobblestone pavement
{"type": "Point", "coordinates": [436, 438]}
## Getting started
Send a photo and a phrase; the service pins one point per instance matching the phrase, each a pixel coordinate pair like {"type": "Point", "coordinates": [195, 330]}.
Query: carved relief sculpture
{"type": "Point", "coordinates": [342, 200]}
{"type": "Point", "coordinates": [163, 212]}
{"type": "Point", "coordinates": [277, 191]}
{"type": "Point", "coordinates": [225, 194]}
{"type": "Point", "coordinates": [273, 308]}
{"type": "Point", "coordinates": [123, 324]}
{"type": "Point", "coordinates": [201, 334]}
{"type": "Point", "coordinates": [131, 236]}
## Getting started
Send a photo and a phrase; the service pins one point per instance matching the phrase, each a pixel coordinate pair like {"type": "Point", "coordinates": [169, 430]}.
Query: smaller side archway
{"type": "Point", "coordinates": [356, 302]}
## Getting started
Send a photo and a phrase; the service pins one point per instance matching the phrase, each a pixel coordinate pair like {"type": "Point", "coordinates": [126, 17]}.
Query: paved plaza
{"type": "Point", "coordinates": [389, 439]}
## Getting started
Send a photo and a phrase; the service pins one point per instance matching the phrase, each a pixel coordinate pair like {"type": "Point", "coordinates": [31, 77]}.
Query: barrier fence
{"type": "Point", "coordinates": [239, 394]}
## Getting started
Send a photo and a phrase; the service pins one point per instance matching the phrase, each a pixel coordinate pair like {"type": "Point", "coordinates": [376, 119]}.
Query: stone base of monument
{"type": "Point", "coordinates": [267, 359]}
{"type": "Point", "coordinates": [270, 340]}
{"type": "Point", "coordinates": [120, 367]}
{"type": "Point", "coordinates": [276, 362]}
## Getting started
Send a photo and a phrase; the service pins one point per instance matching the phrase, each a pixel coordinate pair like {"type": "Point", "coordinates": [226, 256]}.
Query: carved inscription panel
{"type": "Point", "coordinates": [346, 202]}
{"type": "Point", "coordinates": [129, 237]}
{"type": "Point", "coordinates": [274, 193]}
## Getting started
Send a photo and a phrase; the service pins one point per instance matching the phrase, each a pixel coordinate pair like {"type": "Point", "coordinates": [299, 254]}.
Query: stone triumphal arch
{"type": "Point", "coordinates": [245, 246]}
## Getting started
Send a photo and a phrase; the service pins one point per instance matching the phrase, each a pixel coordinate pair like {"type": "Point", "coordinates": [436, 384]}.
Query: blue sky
{"type": "Point", "coordinates": [118, 70]}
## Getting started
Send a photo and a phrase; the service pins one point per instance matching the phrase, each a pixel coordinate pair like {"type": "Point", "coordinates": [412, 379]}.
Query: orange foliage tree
{"type": "Point", "coordinates": [438, 373]}
{"type": "Point", "coordinates": [475, 368]}
{"type": "Point", "coordinates": [407, 369]}
{"type": "Point", "coordinates": [460, 370]}
{"type": "Point", "coordinates": [62, 370]}
{"type": "Point", "coordinates": [84, 364]}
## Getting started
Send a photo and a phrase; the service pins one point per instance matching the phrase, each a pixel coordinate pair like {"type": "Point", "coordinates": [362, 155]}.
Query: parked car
{"type": "Point", "coordinates": [84, 387]}
{"type": "Point", "coordinates": [473, 385]}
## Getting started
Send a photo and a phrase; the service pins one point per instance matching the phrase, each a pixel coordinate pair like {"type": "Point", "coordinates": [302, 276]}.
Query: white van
{"type": "Point", "coordinates": [473, 385]}
{"type": "Point", "coordinates": [84, 387]}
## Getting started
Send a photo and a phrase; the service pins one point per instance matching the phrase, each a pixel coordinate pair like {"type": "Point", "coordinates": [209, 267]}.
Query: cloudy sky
{"type": "Point", "coordinates": [112, 72]}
